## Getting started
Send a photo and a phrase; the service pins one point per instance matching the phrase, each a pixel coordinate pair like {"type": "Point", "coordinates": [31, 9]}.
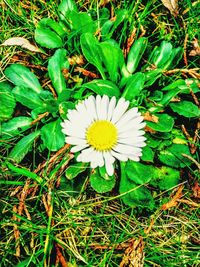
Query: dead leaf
{"type": "Point", "coordinates": [20, 41]}
{"type": "Point", "coordinates": [196, 48]}
{"type": "Point", "coordinates": [196, 190]}
{"type": "Point", "coordinates": [172, 5]}
{"type": "Point", "coordinates": [149, 117]}
{"type": "Point", "coordinates": [174, 201]}
{"type": "Point", "coordinates": [134, 254]}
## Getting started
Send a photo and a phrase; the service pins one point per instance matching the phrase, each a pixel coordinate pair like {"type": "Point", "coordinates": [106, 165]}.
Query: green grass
{"type": "Point", "coordinates": [89, 229]}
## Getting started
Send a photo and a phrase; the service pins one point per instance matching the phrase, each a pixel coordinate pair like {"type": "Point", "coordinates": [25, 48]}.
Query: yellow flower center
{"type": "Point", "coordinates": [102, 135]}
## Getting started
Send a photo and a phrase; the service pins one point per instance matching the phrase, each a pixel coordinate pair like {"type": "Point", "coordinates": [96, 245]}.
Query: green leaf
{"type": "Point", "coordinates": [52, 136]}
{"type": "Point", "coordinates": [121, 14]}
{"type": "Point", "coordinates": [162, 54]}
{"type": "Point", "coordinates": [112, 59]}
{"type": "Point", "coordinates": [172, 156]}
{"type": "Point", "coordinates": [100, 184]}
{"type": "Point", "coordinates": [27, 97]}
{"type": "Point", "coordinates": [82, 22]}
{"type": "Point", "coordinates": [139, 196]}
{"type": "Point", "coordinates": [56, 64]}
{"type": "Point", "coordinates": [15, 126]}
{"type": "Point", "coordinates": [49, 33]}
{"type": "Point", "coordinates": [22, 76]}
{"type": "Point", "coordinates": [151, 76]}
{"type": "Point", "coordinates": [91, 51]}
{"type": "Point", "coordinates": [165, 123]}
{"type": "Point", "coordinates": [74, 170]}
{"type": "Point", "coordinates": [102, 87]}
{"type": "Point", "coordinates": [25, 172]}
{"type": "Point", "coordinates": [23, 146]}
{"type": "Point", "coordinates": [138, 172]}
{"type": "Point", "coordinates": [165, 178]}
{"type": "Point", "coordinates": [135, 53]}
{"type": "Point", "coordinates": [7, 101]}
{"type": "Point", "coordinates": [147, 154]}
{"type": "Point", "coordinates": [134, 86]}
{"type": "Point", "coordinates": [65, 7]}
{"type": "Point", "coordinates": [186, 109]}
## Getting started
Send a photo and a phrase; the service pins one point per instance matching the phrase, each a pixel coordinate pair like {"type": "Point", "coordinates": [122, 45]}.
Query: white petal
{"type": "Point", "coordinates": [111, 107]}
{"type": "Point", "coordinates": [104, 107]}
{"type": "Point", "coordinates": [108, 157]}
{"type": "Point", "coordinates": [131, 140]}
{"type": "Point", "coordinates": [132, 133]}
{"type": "Point", "coordinates": [109, 168]}
{"type": "Point", "coordinates": [78, 148]}
{"type": "Point", "coordinates": [73, 129]}
{"type": "Point", "coordinates": [119, 156]}
{"type": "Point", "coordinates": [99, 158]}
{"type": "Point", "coordinates": [134, 158]}
{"type": "Point", "coordinates": [133, 123]}
{"type": "Point", "coordinates": [93, 164]}
{"type": "Point", "coordinates": [125, 149]}
{"type": "Point", "coordinates": [98, 106]}
{"type": "Point", "coordinates": [119, 110]}
{"type": "Point", "coordinates": [75, 141]}
{"type": "Point", "coordinates": [85, 155]}
{"type": "Point", "coordinates": [91, 106]}
{"type": "Point", "coordinates": [129, 115]}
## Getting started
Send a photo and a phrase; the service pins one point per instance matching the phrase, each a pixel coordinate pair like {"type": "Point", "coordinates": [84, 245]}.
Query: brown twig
{"type": "Point", "coordinates": [53, 158]}
{"type": "Point", "coordinates": [60, 256]}
{"type": "Point", "coordinates": [86, 73]}
{"type": "Point", "coordinates": [40, 116]}
{"type": "Point", "coordinates": [16, 233]}
{"type": "Point", "coordinates": [192, 72]}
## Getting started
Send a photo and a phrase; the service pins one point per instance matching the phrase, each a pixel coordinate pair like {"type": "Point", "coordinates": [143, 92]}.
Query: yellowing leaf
{"type": "Point", "coordinates": [20, 41]}
{"type": "Point", "coordinates": [172, 5]}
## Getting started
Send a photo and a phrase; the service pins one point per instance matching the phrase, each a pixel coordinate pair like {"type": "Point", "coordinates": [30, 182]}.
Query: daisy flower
{"type": "Point", "coordinates": [104, 130]}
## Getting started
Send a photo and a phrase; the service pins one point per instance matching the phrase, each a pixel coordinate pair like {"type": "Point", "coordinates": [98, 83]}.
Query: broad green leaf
{"type": "Point", "coordinates": [100, 184]}
{"type": "Point", "coordinates": [151, 76]}
{"type": "Point", "coordinates": [65, 7]}
{"type": "Point", "coordinates": [172, 156]}
{"type": "Point", "coordinates": [186, 109]}
{"type": "Point", "coordinates": [49, 33]}
{"type": "Point", "coordinates": [184, 86]}
{"type": "Point", "coordinates": [112, 59]}
{"type": "Point", "coordinates": [52, 136]}
{"type": "Point", "coordinates": [91, 51]}
{"type": "Point", "coordinates": [27, 97]}
{"type": "Point", "coordinates": [74, 170]}
{"type": "Point", "coordinates": [7, 101]}
{"type": "Point", "coordinates": [23, 146]}
{"type": "Point", "coordinates": [102, 87]}
{"type": "Point", "coordinates": [165, 178]}
{"type": "Point", "coordinates": [121, 14]}
{"type": "Point", "coordinates": [147, 154]}
{"type": "Point", "coordinates": [135, 53]}
{"type": "Point", "coordinates": [56, 64]}
{"type": "Point", "coordinates": [161, 55]}
{"type": "Point", "coordinates": [165, 123]}
{"type": "Point", "coordinates": [138, 172]}
{"type": "Point", "coordinates": [176, 56]}
{"type": "Point", "coordinates": [15, 126]}
{"type": "Point", "coordinates": [139, 196]}
{"type": "Point", "coordinates": [82, 22]}
{"type": "Point", "coordinates": [134, 86]}
{"type": "Point", "coordinates": [22, 76]}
